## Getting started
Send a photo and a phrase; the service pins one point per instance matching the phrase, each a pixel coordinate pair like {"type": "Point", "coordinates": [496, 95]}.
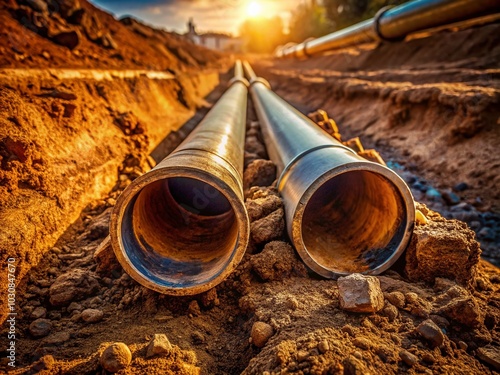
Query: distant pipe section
{"type": "Point", "coordinates": [396, 23]}
{"type": "Point", "coordinates": [182, 227]}
{"type": "Point", "coordinates": [344, 214]}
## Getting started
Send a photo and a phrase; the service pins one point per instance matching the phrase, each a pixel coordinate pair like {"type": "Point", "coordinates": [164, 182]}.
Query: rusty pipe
{"type": "Point", "coordinates": [395, 23]}
{"type": "Point", "coordinates": [182, 227]}
{"type": "Point", "coordinates": [344, 214]}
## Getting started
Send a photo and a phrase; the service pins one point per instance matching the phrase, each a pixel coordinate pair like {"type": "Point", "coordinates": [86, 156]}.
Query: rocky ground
{"type": "Point", "coordinates": [437, 311]}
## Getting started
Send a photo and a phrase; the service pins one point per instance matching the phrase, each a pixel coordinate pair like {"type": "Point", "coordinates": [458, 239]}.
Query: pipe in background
{"type": "Point", "coordinates": [344, 214]}
{"type": "Point", "coordinates": [394, 24]}
{"type": "Point", "coordinates": [181, 228]}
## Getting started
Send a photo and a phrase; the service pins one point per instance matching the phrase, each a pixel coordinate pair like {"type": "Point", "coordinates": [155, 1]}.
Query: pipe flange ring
{"type": "Point", "coordinates": [260, 80]}
{"type": "Point", "coordinates": [238, 79]}
{"type": "Point", "coordinates": [376, 25]}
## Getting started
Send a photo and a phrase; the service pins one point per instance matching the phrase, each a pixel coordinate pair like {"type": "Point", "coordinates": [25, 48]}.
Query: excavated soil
{"type": "Point", "coordinates": [439, 306]}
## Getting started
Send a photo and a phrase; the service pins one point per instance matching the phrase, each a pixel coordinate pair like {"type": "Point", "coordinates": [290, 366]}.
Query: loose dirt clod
{"type": "Point", "coordinates": [452, 243]}
{"type": "Point", "coordinates": [92, 315]}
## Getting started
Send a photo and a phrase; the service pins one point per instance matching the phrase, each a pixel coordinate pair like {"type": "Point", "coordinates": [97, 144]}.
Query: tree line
{"type": "Point", "coordinates": [310, 20]}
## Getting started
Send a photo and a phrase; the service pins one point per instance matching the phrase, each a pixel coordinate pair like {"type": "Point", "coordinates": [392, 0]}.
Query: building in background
{"type": "Point", "coordinates": [215, 41]}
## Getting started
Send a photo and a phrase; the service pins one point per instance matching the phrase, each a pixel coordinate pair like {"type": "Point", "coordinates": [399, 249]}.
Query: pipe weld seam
{"type": "Point", "coordinates": [265, 82]}
{"type": "Point", "coordinates": [376, 25]}
{"type": "Point", "coordinates": [234, 172]}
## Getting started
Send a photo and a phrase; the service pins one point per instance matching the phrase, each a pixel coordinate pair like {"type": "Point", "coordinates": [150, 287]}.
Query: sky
{"type": "Point", "coordinates": [208, 15]}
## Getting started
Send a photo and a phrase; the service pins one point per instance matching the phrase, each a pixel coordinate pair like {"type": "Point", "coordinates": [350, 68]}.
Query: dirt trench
{"type": "Point", "coordinates": [65, 140]}
{"type": "Point", "coordinates": [72, 306]}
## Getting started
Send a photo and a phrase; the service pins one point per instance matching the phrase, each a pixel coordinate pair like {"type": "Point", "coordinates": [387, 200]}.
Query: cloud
{"type": "Point", "coordinates": [208, 15]}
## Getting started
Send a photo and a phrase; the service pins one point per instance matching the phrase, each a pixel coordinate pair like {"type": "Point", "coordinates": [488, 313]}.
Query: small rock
{"type": "Point", "coordinates": [462, 345]}
{"type": "Point", "coordinates": [430, 331]}
{"type": "Point", "coordinates": [57, 338]}
{"type": "Point", "coordinates": [302, 355]}
{"type": "Point", "coordinates": [210, 299]}
{"type": "Point", "coordinates": [396, 298]}
{"type": "Point", "coordinates": [40, 327]}
{"type": "Point", "coordinates": [433, 194]}
{"type": "Point", "coordinates": [92, 315]}
{"type": "Point", "coordinates": [159, 345]}
{"type": "Point", "coordinates": [261, 207]}
{"type": "Point", "coordinates": [451, 198]}
{"type": "Point", "coordinates": [354, 366]}
{"type": "Point", "coordinates": [491, 355]}
{"type": "Point", "coordinates": [39, 312]}
{"type": "Point", "coordinates": [390, 311]}
{"type": "Point", "coordinates": [47, 362]}
{"type": "Point", "coordinates": [362, 343]}
{"type": "Point", "coordinates": [428, 357]}
{"type": "Point", "coordinates": [465, 311]}
{"type": "Point", "coordinates": [38, 5]}
{"type": "Point", "coordinates": [268, 228]}
{"type": "Point", "coordinates": [69, 39]}
{"type": "Point", "coordinates": [74, 306]}
{"type": "Point", "coordinates": [116, 357]}
{"type": "Point", "coordinates": [359, 293]}
{"type": "Point", "coordinates": [487, 234]}
{"type": "Point", "coordinates": [460, 186]}
{"type": "Point", "coordinates": [323, 346]}
{"type": "Point", "coordinates": [261, 333]}
{"type": "Point", "coordinates": [72, 286]}
{"type": "Point", "coordinates": [408, 358]}
{"type": "Point", "coordinates": [107, 41]}
{"type": "Point", "coordinates": [46, 55]}
{"type": "Point", "coordinates": [259, 173]}
{"type": "Point", "coordinates": [198, 337]}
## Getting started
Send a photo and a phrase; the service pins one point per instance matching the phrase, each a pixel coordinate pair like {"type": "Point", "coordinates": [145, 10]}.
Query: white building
{"type": "Point", "coordinates": [215, 41]}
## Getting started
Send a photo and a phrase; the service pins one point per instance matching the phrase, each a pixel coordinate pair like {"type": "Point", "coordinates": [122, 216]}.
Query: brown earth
{"type": "Point", "coordinates": [441, 305]}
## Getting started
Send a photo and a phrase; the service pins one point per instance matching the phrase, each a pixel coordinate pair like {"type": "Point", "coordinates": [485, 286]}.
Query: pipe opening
{"type": "Point", "coordinates": [179, 232]}
{"type": "Point", "coordinates": [354, 222]}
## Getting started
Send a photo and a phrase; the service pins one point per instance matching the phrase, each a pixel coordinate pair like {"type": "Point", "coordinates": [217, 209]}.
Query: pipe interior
{"type": "Point", "coordinates": [179, 232]}
{"type": "Point", "coordinates": [354, 222]}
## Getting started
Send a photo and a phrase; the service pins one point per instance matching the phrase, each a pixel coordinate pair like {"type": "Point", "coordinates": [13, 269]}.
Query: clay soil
{"type": "Point", "coordinates": [69, 146]}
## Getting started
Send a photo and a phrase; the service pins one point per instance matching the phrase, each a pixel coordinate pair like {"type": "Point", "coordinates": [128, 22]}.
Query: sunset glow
{"type": "Point", "coordinates": [254, 9]}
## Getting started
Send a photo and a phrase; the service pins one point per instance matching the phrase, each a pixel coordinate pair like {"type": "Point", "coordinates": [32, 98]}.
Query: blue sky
{"type": "Point", "coordinates": [208, 15]}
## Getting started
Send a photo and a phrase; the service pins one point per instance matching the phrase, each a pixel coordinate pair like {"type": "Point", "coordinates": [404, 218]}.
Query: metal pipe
{"type": "Point", "coordinates": [344, 214]}
{"type": "Point", "coordinates": [182, 227]}
{"type": "Point", "coordinates": [395, 23]}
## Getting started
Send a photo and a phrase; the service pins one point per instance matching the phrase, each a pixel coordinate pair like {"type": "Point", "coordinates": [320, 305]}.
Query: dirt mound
{"type": "Point", "coordinates": [75, 34]}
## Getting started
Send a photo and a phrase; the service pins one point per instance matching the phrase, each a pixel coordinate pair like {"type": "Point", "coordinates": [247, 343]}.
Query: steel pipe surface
{"type": "Point", "coordinates": [395, 23]}
{"type": "Point", "coordinates": [344, 214]}
{"type": "Point", "coordinates": [182, 227]}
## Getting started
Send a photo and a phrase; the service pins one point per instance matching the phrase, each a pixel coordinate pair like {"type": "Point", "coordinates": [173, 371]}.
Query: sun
{"type": "Point", "coordinates": [254, 9]}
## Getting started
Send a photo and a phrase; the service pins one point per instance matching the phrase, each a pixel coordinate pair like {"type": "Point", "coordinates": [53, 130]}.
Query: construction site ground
{"type": "Point", "coordinates": [77, 126]}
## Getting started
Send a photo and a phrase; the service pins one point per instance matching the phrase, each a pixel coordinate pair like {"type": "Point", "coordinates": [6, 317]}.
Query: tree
{"type": "Point", "coordinates": [345, 13]}
{"type": "Point", "coordinates": [309, 20]}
